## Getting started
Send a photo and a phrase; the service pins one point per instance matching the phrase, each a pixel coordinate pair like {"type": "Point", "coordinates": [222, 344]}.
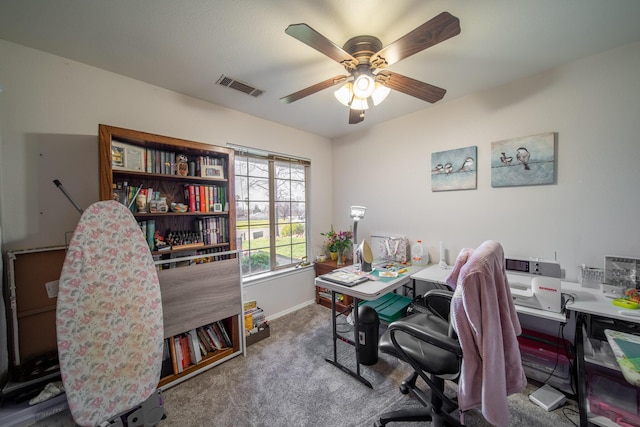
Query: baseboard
{"type": "Point", "coordinates": [291, 309]}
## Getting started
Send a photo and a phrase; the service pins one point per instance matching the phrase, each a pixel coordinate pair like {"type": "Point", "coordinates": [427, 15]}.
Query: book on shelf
{"type": "Point", "coordinates": [206, 340]}
{"type": "Point", "coordinates": [204, 198]}
{"type": "Point", "coordinates": [257, 317]}
{"type": "Point", "coordinates": [176, 354]}
{"type": "Point", "coordinates": [248, 321]}
{"type": "Point", "coordinates": [225, 335]}
{"type": "Point", "coordinates": [218, 333]}
{"type": "Point", "coordinates": [186, 351]}
{"type": "Point", "coordinates": [194, 347]}
{"type": "Point", "coordinates": [151, 233]}
{"type": "Point", "coordinates": [167, 360]}
{"type": "Point", "coordinates": [214, 337]}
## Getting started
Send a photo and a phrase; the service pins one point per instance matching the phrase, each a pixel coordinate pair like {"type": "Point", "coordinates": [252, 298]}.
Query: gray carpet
{"type": "Point", "coordinates": [285, 381]}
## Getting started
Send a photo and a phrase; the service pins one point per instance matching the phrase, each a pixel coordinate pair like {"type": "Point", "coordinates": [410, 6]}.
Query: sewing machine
{"type": "Point", "coordinates": [535, 283]}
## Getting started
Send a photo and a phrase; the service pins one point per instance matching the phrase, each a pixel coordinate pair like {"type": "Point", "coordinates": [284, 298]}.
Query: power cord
{"type": "Point", "coordinates": [569, 411]}
{"type": "Point", "coordinates": [566, 299]}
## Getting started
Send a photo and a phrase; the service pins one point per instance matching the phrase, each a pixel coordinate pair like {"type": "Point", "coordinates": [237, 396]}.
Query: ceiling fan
{"type": "Point", "coordinates": [364, 58]}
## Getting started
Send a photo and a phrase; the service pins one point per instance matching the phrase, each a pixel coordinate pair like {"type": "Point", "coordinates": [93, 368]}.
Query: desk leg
{"type": "Point", "coordinates": [336, 336]}
{"type": "Point", "coordinates": [581, 371]}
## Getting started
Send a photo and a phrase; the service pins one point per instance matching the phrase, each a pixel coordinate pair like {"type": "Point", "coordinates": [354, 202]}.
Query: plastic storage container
{"type": "Point", "coordinates": [419, 256]}
{"type": "Point", "coordinates": [545, 359]}
{"type": "Point", "coordinates": [611, 396]}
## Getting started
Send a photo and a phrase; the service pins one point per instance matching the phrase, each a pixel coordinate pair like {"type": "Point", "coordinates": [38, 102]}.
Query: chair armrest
{"type": "Point", "coordinates": [426, 334]}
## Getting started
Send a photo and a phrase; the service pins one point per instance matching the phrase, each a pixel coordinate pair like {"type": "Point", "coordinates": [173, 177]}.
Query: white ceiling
{"type": "Point", "coordinates": [185, 46]}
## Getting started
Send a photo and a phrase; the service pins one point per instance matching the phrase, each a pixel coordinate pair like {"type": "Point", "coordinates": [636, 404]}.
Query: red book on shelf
{"type": "Point", "coordinates": [186, 354]}
{"type": "Point", "coordinates": [192, 198]}
{"type": "Point", "coordinates": [203, 199]}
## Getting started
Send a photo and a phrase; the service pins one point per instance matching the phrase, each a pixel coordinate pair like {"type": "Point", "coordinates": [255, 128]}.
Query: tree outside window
{"type": "Point", "coordinates": [271, 207]}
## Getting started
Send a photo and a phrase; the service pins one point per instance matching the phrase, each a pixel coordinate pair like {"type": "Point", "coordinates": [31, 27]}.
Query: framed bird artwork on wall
{"type": "Point", "coordinates": [528, 160]}
{"type": "Point", "coordinates": [454, 169]}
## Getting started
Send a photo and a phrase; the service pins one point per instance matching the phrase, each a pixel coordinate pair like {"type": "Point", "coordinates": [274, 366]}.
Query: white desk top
{"type": "Point", "coordinates": [587, 300]}
{"type": "Point", "coordinates": [433, 273]}
{"type": "Point", "coordinates": [593, 301]}
{"type": "Point", "coordinates": [371, 289]}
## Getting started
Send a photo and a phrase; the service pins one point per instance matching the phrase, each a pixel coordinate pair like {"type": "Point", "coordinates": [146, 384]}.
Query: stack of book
{"type": "Point", "coordinates": [191, 347]}
{"type": "Point", "coordinates": [255, 322]}
{"type": "Point", "coordinates": [253, 317]}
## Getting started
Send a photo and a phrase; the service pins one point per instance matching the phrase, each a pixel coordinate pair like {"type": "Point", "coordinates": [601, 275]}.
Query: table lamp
{"type": "Point", "coordinates": [356, 213]}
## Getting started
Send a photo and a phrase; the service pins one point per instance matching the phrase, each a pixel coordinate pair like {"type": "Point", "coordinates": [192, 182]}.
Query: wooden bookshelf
{"type": "Point", "coordinates": [193, 294]}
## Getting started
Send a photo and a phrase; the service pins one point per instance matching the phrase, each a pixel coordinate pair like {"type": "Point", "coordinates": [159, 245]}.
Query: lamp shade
{"type": "Point", "coordinates": [359, 103]}
{"type": "Point", "coordinates": [344, 94]}
{"type": "Point", "coordinates": [379, 93]}
{"type": "Point", "coordinates": [363, 86]}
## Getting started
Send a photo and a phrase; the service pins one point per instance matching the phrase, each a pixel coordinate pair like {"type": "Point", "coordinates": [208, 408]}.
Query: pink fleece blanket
{"type": "Point", "coordinates": [485, 319]}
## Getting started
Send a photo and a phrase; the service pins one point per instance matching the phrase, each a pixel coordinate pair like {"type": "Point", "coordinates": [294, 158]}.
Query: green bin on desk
{"type": "Point", "coordinates": [390, 307]}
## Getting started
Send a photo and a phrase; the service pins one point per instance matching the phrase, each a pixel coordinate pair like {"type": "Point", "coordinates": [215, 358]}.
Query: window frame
{"type": "Point", "coordinates": [246, 155]}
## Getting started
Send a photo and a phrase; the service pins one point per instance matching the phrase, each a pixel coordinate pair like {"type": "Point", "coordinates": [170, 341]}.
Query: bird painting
{"type": "Point", "coordinates": [438, 169]}
{"type": "Point", "coordinates": [523, 157]}
{"type": "Point", "coordinates": [467, 165]}
{"type": "Point", "coordinates": [448, 168]}
{"type": "Point", "coordinates": [506, 160]}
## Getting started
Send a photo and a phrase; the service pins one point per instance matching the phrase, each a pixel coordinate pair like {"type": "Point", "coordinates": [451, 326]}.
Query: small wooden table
{"type": "Point", "coordinates": [323, 295]}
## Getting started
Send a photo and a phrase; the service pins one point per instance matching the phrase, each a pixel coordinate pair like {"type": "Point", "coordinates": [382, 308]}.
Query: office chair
{"type": "Point", "coordinates": [109, 322]}
{"type": "Point", "coordinates": [468, 336]}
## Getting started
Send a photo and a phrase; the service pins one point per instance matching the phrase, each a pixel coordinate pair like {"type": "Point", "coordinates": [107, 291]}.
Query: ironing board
{"type": "Point", "coordinates": [109, 316]}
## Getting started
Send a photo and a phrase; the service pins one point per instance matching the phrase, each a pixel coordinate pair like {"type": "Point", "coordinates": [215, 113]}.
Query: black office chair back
{"type": "Point", "coordinates": [438, 302]}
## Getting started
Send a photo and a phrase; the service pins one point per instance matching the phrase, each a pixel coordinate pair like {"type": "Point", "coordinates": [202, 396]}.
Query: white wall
{"type": "Point", "coordinates": [50, 109]}
{"type": "Point", "coordinates": [593, 210]}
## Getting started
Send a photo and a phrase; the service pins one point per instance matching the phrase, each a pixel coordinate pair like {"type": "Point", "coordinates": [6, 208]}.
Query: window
{"type": "Point", "coordinates": [271, 210]}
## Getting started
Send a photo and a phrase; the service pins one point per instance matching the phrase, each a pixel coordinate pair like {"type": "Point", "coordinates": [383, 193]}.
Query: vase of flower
{"type": "Point", "coordinates": [337, 244]}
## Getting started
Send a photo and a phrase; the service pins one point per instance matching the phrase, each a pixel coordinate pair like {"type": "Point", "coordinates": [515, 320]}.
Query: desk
{"type": "Point", "coordinates": [592, 306]}
{"type": "Point", "coordinates": [588, 304]}
{"type": "Point", "coordinates": [368, 291]}
{"type": "Point", "coordinates": [437, 275]}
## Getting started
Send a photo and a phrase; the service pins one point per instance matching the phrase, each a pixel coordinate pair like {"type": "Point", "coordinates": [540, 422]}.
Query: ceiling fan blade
{"type": "Point", "coordinates": [410, 86]}
{"type": "Point", "coordinates": [355, 116]}
{"type": "Point", "coordinates": [432, 32]}
{"type": "Point", "coordinates": [311, 37]}
{"type": "Point", "coordinates": [313, 89]}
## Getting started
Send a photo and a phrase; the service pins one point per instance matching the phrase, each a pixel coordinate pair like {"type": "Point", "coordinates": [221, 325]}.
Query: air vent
{"type": "Point", "coordinates": [238, 85]}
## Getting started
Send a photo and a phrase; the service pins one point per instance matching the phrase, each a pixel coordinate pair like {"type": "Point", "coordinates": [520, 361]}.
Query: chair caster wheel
{"type": "Point", "coordinates": [404, 389]}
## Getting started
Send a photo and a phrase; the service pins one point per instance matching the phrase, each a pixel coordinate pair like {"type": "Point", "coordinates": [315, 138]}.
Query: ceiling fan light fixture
{"type": "Point", "coordinates": [344, 94]}
{"type": "Point", "coordinates": [359, 104]}
{"type": "Point", "coordinates": [379, 93]}
{"type": "Point", "coordinates": [363, 86]}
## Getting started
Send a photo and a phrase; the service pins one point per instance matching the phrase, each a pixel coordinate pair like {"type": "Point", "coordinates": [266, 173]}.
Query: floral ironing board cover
{"type": "Point", "coordinates": [109, 316]}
